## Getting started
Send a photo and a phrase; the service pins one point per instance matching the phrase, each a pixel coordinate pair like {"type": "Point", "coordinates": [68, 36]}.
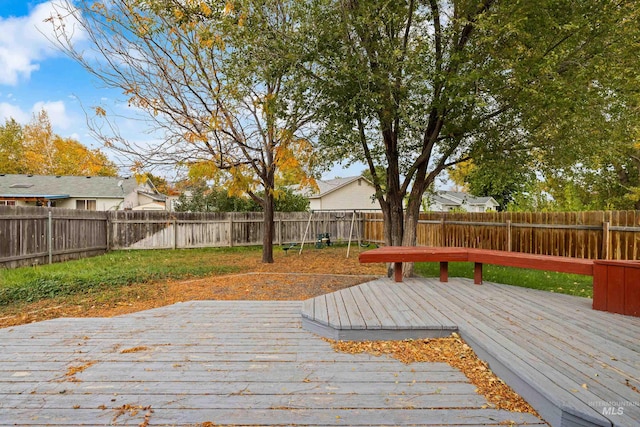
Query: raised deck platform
{"type": "Point", "coordinates": [221, 363]}
{"type": "Point", "coordinates": [576, 366]}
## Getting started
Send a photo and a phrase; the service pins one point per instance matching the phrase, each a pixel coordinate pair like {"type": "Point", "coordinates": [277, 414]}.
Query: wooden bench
{"type": "Point", "coordinates": [616, 284]}
{"type": "Point", "coordinates": [559, 264]}
{"type": "Point", "coordinates": [400, 254]}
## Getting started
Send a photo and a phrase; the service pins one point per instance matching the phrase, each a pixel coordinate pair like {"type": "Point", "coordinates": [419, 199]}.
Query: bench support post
{"type": "Point", "coordinates": [477, 273]}
{"type": "Point", "coordinates": [397, 271]}
{"type": "Point", "coordinates": [444, 271]}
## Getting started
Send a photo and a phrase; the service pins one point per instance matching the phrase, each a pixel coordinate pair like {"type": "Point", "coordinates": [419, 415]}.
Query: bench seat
{"type": "Point", "coordinates": [400, 254]}
{"type": "Point", "coordinates": [537, 262]}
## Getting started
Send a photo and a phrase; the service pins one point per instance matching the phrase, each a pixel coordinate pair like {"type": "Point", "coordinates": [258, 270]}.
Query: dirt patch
{"type": "Point", "coordinates": [292, 277]}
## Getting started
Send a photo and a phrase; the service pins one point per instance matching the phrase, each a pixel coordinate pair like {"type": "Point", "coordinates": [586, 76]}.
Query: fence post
{"type": "Point", "coordinates": [50, 237]}
{"type": "Point", "coordinates": [606, 238]}
{"type": "Point", "coordinates": [442, 231]}
{"type": "Point", "coordinates": [107, 228]}
{"type": "Point", "coordinates": [231, 229]}
{"type": "Point", "coordinates": [175, 234]}
{"type": "Point", "coordinates": [509, 248]}
{"type": "Point", "coordinates": [280, 231]}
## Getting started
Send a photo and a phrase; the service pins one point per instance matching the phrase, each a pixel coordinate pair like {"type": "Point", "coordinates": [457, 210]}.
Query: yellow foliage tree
{"type": "Point", "coordinates": [42, 152]}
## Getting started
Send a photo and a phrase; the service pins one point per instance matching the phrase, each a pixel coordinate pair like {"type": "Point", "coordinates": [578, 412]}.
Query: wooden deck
{"type": "Point", "coordinates": [223, 363]}
{"type": "Point", "coordinates": [575, 365]}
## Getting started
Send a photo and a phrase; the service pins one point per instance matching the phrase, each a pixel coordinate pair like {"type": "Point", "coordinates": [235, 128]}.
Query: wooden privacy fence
{"type": "Point", "coordinates": [155, 230]}
{"type": "Point", "coordinates": [592, 235]}
{"type": "Point", "coordinates": [30, 236]}
{"type": "Point", "coordinates": [35, 235]}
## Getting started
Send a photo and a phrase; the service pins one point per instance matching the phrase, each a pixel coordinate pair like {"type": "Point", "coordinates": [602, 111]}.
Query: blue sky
{"type": "Point", "coordinates": [35, 75]}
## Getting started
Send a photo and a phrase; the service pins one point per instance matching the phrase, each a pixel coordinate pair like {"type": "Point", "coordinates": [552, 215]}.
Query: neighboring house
{"type": "Point", "coordinates": [352, 193]}
{"type": "Point", "coordinates": [445, 201]}
{"type": "Point", "coordinates": [95, 193]}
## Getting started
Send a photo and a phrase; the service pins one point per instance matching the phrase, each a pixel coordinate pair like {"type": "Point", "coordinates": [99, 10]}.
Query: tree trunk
{"type": "Point", "coordinates": [409, 238]}
{"type": "Point", "coordinates": [393, 215]}
{"type": "Point", "coordinates": [267, 236]}
{"type": "Point", "coordinates": [412, 214]}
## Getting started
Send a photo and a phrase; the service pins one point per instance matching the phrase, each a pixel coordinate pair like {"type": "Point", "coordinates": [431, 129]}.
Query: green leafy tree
{"type": "Point", "coordinates": [501, 179]}
{"type": "Point", "coordinates": [202, 199]}
{"type": "Point", "coordinates": [417, 87]}
{"type": "Point", "coordinates": [288, 201]}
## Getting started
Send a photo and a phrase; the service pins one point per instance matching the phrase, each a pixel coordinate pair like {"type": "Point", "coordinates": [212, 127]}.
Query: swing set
{"type": "Point", "coordinates": [324, 239]}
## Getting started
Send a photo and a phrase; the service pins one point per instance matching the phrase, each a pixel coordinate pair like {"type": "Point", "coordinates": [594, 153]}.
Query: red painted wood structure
{"type": "Point", "coordinates": [616, 287]}
{"type": "Point", "coordinates": [616, 283]}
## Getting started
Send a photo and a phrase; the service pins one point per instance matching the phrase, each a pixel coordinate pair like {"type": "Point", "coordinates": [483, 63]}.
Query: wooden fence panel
{"type": "Point", "coordinates": [31, 236]}
{"type": "Point", "coordinates": [153, 230]}
{"type": "Point", "coordinates": [35, 235]}
{"type": "Point", "coordinates": [593, 235]}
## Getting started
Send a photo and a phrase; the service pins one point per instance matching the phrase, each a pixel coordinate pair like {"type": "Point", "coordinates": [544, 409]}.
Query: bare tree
{"type": "Point", "coordinates": [205, 75]}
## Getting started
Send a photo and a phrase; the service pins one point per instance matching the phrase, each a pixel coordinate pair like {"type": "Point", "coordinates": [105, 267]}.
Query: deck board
{"type": "Point", "coordinates": [577, 366]}
{"type": "Point", "coordinates": [356, 296]}
{"type": "Point", "coordinates": [224, 363]}
{"type": "Point", "coordinates": [356, 318]}
{"type": "Point", "coordinates": [571, 367]}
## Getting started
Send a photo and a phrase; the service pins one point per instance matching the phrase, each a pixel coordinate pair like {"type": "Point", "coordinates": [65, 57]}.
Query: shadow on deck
{"type": "Point", "coordinates": [574, 365]}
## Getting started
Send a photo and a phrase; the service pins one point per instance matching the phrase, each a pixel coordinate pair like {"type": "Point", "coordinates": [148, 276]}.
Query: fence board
{"type": "Point", "coordinates": [572, 234]}
{"type": "Point", "coordinates": [152, 230]}
{"type": "Point", "coordinates": [35, 235]}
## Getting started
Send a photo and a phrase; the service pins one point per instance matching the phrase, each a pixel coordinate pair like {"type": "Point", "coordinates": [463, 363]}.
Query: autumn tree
{"type": "Point", "coordinates": [35, 149]}
{"type": "Point", "coordinates": [159, 182]}
{"type": "Point", "coordinates": [11, 147]}
{"type": "Point", "coordinates": [420, 86]}
{"type": "Point", "coordinates": [206, 75]}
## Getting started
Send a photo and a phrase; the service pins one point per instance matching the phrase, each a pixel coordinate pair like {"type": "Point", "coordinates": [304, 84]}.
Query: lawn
{"type": "Point", "coordinates": [112, 270]}
{"type": "Point", "coordinates": [126, 281]}
{"type": "Point", "coordinates": [572, 284]}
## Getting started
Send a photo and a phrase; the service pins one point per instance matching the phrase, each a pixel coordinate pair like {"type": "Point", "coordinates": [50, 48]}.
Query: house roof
{"type": "Point", "coordinates": [443, 201]}
{"type": "Point", "coordinates": [331, 185]}
{"type": "Point", "coordinates": [153, 196]}
{"type": "Point", "coordinates": [59, 187]}
{"type": "Point", "coordinates": [460, 197]}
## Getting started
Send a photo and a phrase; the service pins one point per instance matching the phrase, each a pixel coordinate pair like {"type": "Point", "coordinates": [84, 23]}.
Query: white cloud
{"type": "Point", "coordinates": [60, 118]}
{"type": "Point", "coordinates": [57, 113]}
{"type": "Point", "coordinates": [12, 111]}
{"type": "Point", "coordinates": [25, 42]}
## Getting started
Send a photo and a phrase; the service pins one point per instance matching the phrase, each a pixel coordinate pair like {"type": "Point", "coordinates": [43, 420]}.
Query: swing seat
{"type": "Point", "coordinates": [322, 240]}
{"type": "Point", "coordinates": [290, 246]}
